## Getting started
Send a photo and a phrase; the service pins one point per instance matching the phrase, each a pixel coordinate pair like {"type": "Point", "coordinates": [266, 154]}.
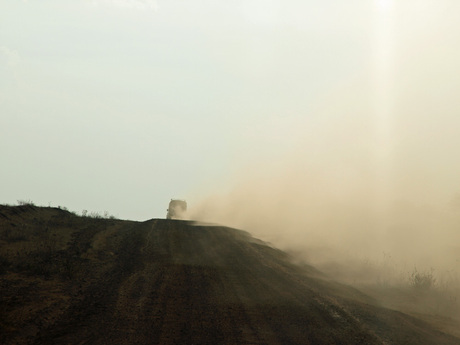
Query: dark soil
{"type": "Point", "coordinates": [66, 279]}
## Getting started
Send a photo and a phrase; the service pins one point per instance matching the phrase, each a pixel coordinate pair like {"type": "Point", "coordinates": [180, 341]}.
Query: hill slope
{"type": "Point", "coordinates": [76, 280]}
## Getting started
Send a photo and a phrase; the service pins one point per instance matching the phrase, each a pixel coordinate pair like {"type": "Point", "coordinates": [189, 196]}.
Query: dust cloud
{"type": "Point", "coordinates": [364, 184]}
{"type": "Point", "coordinates": [341, 202]}
{"type": "Point", "coordinates": [329, 205]}
{"type": "Point", "coordinates": [333, 212]}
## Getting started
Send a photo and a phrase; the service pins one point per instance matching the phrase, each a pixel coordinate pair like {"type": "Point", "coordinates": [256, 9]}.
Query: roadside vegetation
{"type": "Point", "coordinates": [84, 213]}
{"type": "Point", "coordinates": [42, 245]}
{"type": "Point", "coordinates": [426, 292]}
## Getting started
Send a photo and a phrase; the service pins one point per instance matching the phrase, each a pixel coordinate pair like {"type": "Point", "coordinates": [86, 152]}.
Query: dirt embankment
{"type": "Point", "coordinates": [75, 280]}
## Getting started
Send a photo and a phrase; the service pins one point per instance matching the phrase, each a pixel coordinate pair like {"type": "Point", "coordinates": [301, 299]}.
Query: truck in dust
{"type": "Point", "coordinates": [176, 209]}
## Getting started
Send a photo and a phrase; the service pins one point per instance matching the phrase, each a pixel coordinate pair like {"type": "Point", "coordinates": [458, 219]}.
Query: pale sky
{"type": "Point", "coordinates": [121, 105]}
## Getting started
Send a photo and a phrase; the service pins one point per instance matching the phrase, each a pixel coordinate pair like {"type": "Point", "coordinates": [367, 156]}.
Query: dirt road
{"type": "Point", "coordinates": [103, 281]}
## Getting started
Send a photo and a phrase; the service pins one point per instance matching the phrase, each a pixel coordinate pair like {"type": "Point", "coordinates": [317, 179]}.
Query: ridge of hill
{"type": "Point", "coordinates": [66, 279]}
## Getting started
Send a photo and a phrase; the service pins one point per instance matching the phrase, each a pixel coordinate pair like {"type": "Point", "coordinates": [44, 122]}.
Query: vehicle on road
{"type": "Point", "coordinates": [176, 209]}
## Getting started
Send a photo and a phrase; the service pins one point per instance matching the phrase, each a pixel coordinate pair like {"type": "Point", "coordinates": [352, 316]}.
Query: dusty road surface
{"type": "Point", "coordinates": [66, 279]}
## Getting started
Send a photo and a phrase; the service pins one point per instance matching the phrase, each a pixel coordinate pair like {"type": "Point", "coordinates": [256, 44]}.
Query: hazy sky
{"type": "Point", "coordinates": [120, 105]}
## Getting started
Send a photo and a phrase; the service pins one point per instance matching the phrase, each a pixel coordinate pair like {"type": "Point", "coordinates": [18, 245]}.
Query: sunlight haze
{"type": "Point", "coordinates": [121, 105]}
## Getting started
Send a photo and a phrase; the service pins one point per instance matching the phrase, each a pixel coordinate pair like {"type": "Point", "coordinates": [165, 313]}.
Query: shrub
{"type": "Point", "coordinates": [95, 215]}
{"type": "Point", "coordinates": [26, 203]}
{"type": "Point", "coordinates": [422, 281]}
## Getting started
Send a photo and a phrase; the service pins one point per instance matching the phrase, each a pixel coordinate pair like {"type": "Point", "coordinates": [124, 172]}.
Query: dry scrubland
{"type": "Point", "coordinates": [68, 279]}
